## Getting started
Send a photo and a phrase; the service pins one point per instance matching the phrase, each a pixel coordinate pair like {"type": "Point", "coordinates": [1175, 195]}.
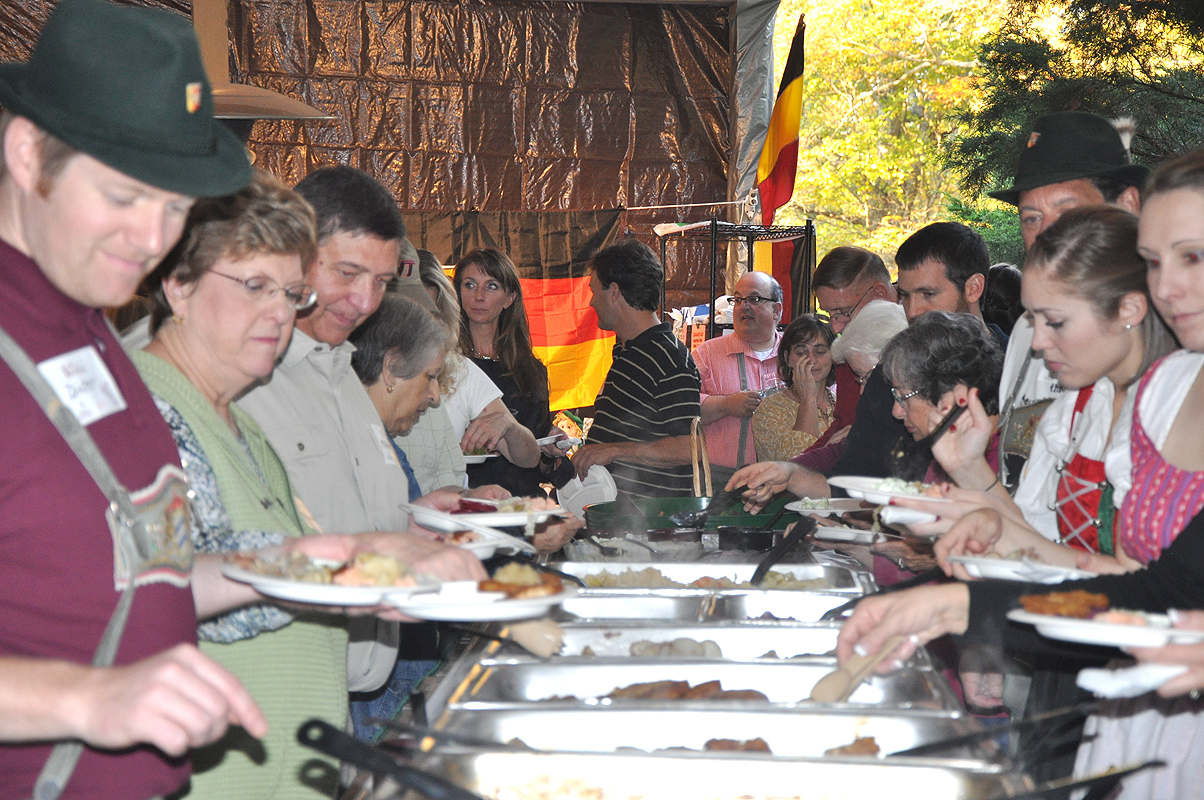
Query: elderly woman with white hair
{"type": "Point", "coordinates": [866, 335]}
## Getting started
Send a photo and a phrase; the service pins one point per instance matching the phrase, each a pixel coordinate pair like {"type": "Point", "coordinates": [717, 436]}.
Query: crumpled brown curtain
{"type": "Point", "coordinates": [467, 105]}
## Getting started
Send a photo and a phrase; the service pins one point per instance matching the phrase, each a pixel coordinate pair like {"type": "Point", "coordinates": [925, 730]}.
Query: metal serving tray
{"type": "Point", "coordinates": [825, 578]}
{"type": "Point", "coordinates": [738, 641]}
{"type": "Point", "coordinates": [790, 733]}
{"type": "Point", "coordinates": [698, 605]}
{"type": "Point", "coordinates": [585, 681]}
{"type": "Point", "coordinates": [710, 776]}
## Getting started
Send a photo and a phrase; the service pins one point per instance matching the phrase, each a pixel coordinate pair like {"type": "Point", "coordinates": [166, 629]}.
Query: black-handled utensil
{"type": "Point", "coordinates": [498, 560]}
{"type": "Point", "coordinates": [910, 459]}
{"type": "Point", "coordinates": [326, 739]}
{"type": "Point", "coordinates": [916, 580]}
{"type": "Point", "coordinates": [1065, 715]}
{"type": "Point", "coordinates": [803, 527]}
{"type": "Point", "coordinates": [493, 637]}
{"type": "Point", "coordinates": [1098, 786]}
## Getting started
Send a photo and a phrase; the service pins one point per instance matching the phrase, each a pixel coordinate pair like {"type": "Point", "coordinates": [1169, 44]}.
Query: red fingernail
{"type": "Point", "coordinates": [952, 427]}
{"type": "Point", "coordinates": [890, 502]}
{"type": "Point", "coordinates": [961, 401]}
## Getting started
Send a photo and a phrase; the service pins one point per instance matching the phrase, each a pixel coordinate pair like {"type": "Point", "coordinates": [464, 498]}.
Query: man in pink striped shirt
{"type": "Point", "coordinates": [737, 369]}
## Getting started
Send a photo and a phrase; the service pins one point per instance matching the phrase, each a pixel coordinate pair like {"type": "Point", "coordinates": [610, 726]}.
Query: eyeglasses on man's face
{"type": "Point", "coordinates": [902, 399]}
{"type": "Point", "coordinates": [846, 313]}
{"type": "Point", "coordinates": [754, 300]}
{"type": "Point", "coordinates": [260, 289]}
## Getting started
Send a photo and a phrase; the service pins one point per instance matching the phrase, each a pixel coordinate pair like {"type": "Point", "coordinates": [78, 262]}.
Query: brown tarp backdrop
{"type": "Point", "coordinates": [491, 106]}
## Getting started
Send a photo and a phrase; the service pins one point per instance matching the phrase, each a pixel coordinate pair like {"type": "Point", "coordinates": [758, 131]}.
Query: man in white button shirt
{"type": "Point", "coordinates": [313, 408]}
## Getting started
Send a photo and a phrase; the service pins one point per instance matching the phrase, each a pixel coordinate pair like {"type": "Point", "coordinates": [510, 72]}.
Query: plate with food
{"type": "Point", "coordinates": [1087, 618]}
{"type": "Point", "coordinates": [881, 490]}
{"type": "Point", "coordinates": [479, 456]}
{"type": "Point", "coordinates": [1024, 568]}
{"type": "Point", "coordinates": [363, 581]}
{"type": "Point", "coordinates": [824, 506]}
{"type": "Point", "coordinates": [516, 591]}
{"type": "Point", "coordinates": [508, 513]}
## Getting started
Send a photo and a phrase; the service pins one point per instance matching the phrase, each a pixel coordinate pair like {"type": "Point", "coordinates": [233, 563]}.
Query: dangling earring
{"type": "Point", "coordinates": [389, 388]}
{"type": "Point", "coordinates": [177, 319]}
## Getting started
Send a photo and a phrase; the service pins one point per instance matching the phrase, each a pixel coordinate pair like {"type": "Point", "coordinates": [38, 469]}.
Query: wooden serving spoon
{"type": "Point", "coordinates": [836, 686]}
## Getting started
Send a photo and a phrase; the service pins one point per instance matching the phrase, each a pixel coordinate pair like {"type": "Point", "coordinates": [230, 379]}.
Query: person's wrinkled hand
{"type": "Point", "coordinates": [177, 700]}
{"type": "Point", "coordinates": [742, 404]}
{"type": "Point", "coordinates": [1189, 655]}
{"type": "Point", "coordinates": [490, 491]}
{"type": "Point", "coordinates": [764, 479]}
{"type": "Point", "coordinates": [486, 431]}
{"type": "Point", "coordinates": [905, 555]}
{"type": "Point", "coordinates": [958, 502]}
{"type": "Point", "coordinates": [551, 450]}
{"type": "Point", "coordinates": [920, 615]}
{"type": "Point", "coordinates": [975, 534]}
{"type": "Point", "coordinates": [589, 454]}
{"type": "Point", "coordinates": [446, 500]}
{"type": "Point", "coordinates": [423, 555]}
{"type": "Point", "coordinates": [556, 533]}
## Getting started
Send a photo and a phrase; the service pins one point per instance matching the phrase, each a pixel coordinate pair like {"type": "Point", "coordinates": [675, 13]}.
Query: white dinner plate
{"type": "Point", "coordinates": [898, 515]}
{"type": "Point", "coordinates": [867, 489]}
{"type": "Point", "coordinates": [326, 594]}
{"type": "Point", "coordinates": [1087, 631]}
{"type": "Point", "coordinates": [480, 459]}
{"type": "Point", "coordinates": [1024, 569]}
{"type": "Point", "coordinates": [439, 521]}
{"type": "Point", "coordinates": [459, 601]}
{"type": "Point", "coordinates": [450, 523]}
{"type": "Point", "coordinates": [836, 505]}
{"type": "Point", "coordinates": [851, 535]}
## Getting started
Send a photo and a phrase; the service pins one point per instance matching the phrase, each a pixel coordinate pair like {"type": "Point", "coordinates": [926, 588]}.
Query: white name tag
{"type": "Point", "coordinates": [386, 446]}
{"type": "Point", "coordinates": [84, 384]}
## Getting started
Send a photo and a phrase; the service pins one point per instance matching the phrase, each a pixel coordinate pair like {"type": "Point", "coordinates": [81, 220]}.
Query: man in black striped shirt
{"type": "Point", "coordinates": [641, 429]}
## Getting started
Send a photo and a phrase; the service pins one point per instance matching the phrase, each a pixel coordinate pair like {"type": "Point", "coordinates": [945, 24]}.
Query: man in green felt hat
{"type": "Point", "coordinates": [108, 136]}
{"type": "Point", "coordinates": [1070, 159]}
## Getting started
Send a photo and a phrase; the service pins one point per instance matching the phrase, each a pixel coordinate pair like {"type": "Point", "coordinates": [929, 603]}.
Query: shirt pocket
{"type": "Point", "coordinates": [301, 444]}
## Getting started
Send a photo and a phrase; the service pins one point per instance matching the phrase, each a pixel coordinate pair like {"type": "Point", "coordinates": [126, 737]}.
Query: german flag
{"type": "Point", "coordinates": [779, 156]}
{"type": "Point", "coordinates": [550, 250]}
{"type": "Point", "coordinates": [566, 338]}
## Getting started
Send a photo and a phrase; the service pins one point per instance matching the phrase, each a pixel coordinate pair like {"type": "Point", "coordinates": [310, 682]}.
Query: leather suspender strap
{"type": "Point", "coordinates": [745, 422]}
{"type": "Point", "coordinates": [64, 756]}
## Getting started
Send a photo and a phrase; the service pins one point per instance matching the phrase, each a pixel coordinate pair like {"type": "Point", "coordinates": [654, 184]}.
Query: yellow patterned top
{"type": "Point", "coordinates": [773, 426]}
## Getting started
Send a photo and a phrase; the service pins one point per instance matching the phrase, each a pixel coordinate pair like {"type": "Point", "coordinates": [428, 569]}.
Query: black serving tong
{"type": "Point", "coordinates": [911, 458]}
{"type": "Point", "coordinates": [801, 528]}
{"type": "Point", "coordinates": [1048, 722]}
{"type": "Point", "coordinates": [1099, 786]}
{"type": "Point", "coordinates": [936, 573]}
{"type": "Point", "coordinates": [720, 504]}
{"type": "Point", "coordinates": [331, 741]}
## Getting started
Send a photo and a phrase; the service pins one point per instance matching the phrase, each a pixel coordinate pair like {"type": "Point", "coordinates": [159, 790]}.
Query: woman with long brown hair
{"type": "Point", "coordinates": [495, 335]}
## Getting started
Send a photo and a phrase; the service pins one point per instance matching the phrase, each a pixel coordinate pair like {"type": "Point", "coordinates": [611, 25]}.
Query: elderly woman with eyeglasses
{"type": "Point", "coordinates": [222, 316]}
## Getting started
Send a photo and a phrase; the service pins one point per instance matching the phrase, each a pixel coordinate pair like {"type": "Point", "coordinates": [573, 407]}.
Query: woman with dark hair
{"type": "Point", "coordinates": [1000, 301]}
{"type": "Point", "coordinates": [495, 335]}
{"type": "Point", "coordinates": [939, 361]}
{"type": "Point", "coordinates": [1085, 288]}
{"type": "Point", "coordinates": [786, 423]}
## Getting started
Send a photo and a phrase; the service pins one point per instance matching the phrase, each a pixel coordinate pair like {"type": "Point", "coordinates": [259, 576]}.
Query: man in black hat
{"type": "Point", "coordinates": [1070, 159]}
{"type": "Point", "coordinates": [107, 138]}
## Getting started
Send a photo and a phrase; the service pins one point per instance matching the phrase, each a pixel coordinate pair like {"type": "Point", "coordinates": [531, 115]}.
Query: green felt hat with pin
{"type": "Point", "coordinates": [127, 86]}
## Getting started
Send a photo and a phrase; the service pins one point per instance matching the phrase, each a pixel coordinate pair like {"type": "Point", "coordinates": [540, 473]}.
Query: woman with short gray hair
{"type": "Point", "coordinates": [937, 363]}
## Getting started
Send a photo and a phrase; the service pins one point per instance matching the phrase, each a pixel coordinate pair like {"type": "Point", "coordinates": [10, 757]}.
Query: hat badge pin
{"type": "Point", "coordinates": [1033, 137]}
{"type": "Point", "coordinates": [192, 97]}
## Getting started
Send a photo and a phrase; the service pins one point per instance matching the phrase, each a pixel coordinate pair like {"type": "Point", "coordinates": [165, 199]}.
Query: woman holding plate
{"type": "Point", "coordinates": [222, 315]}
{"type": "Point", "coordinates": [400, 355]}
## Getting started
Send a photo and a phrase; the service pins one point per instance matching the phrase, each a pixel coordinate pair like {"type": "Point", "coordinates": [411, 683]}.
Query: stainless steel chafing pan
{"type": "Point", "coordinates": [820, 577]}
{"type": "Point", "coordinates": [710, 776]}
{"type": "Point", "coordinates": [572, 682]}
{"type": "Point", "coordinates": [736, 640]}
{"type": "Point", "coordinates": [789, 733]}
{"type": "Point", "coordinates": [697, 605]}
